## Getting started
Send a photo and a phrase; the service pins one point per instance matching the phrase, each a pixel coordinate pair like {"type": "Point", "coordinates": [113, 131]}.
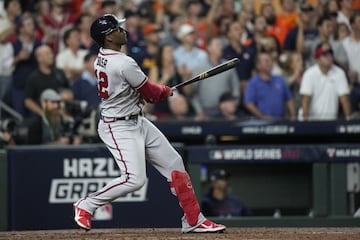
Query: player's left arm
{"type": "Point", "coordinates": [153, 92]}
{"type": "Point", "coordinates": [150, 91]}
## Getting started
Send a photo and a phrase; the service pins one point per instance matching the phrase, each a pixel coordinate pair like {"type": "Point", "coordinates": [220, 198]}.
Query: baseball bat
{"type": "Point", "coordinates": [209, 73]}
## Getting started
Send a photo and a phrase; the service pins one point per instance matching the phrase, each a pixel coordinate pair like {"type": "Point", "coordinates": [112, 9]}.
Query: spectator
{"type": "Point", "coordinates": [284, 21]}
{"type": "Point", "coordinates": [91, 7]}
{"type": "Point", "coordinates": [45, 76]}
{"type": "Point", "coordinates": [259, 31]}
{"type": "Point", "coordinates": [85, 86]}
{"type": "Point", "coordinates": [47, 128]}
{"type": "Point", "coordinates": [136, 41]}
{"type": "Point", "coordinates": [187, 56]}
{"type": "Point", "coordinates": [219, 201]}
{"type": "Point", "coordinates": [322, 86]}
{"type": "Point", "coordinates": [352, 48]}
{"type": "Point", "coordinates": [206, 94]}
{"type": "Point", "coordinates": [266, 94]}
{"type": "Point", "coordinates": [145, 57]}
{"type": "Point", "coordinates": [271, 45]}
{"type": "Point", "coordinates": [42, 9]}
{"type": "Point", "coordinates": [223, 23]}
{"type": "Point", "coordinates": [83, 23]}
{"type": "Point", "coordinates": [9, 21]}
{"type": "Point", "coordinates": [301, 37]}
{"type": "Point", "coordinates": [55, 23]}
{"type": "Point", "coordinates": [6, 59]}
{"type": "Point", "coordinates": [227, 107]}
{"type": "Point", "coordinates": [175, 21]}
{"type": "Point", "coordinates": [175, 7]}
{"type": "Point", "coordinates": [71, 58]}
{"type": "Point", "coordinates": [342, 31]}
{"type": "Point", "coordinates": [326, 34]}
{"type": "Point", "coordinates": [259, 5]}
{"type": "Point", "coordinates": [236, 49]}
{"type": "Point", "coordinates": [246, 16]}
{"type": "Point", "coordinates": [165, 72]}
{"type": "Point", "coordinates": [7, 29]}
{"type": "Point", "coordinates": [293, 72]}
{"type": "Point", "coordinates": [179, 107]}
{"type": "Point", "coordinates": [203, 22]}
{"type": "Point", "coordinates": [332, 6]}
{"type": "Point", "coordinates": [346, 11]}
{"type": "Point", "coordinates": [24, 48]}
{"type": "Point", "coordinates": [109, 7]}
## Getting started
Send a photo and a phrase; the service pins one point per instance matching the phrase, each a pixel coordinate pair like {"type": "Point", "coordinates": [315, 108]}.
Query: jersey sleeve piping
{"type": "Point", "coordinates": [142, 83]}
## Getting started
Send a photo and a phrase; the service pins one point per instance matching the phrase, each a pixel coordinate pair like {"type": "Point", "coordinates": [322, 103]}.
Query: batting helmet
{"type": "Point", "coordinates": [103, 26]}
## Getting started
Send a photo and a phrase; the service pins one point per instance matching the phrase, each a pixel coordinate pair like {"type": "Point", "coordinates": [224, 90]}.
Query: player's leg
{"type": "Point", "coordinates": [126, 144]}
{"type": "Point", "coordinates": [170, 164]}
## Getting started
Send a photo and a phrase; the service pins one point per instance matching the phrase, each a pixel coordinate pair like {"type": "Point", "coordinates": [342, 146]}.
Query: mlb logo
{"type": "Point", "coordinates": [103, 213]}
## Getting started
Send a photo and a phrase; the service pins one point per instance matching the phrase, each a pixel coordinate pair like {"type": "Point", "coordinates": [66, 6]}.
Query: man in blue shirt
{"type": "Point", "coordinates": [266, 95]}
{"type": "Point", "coordinates": [85, 87]}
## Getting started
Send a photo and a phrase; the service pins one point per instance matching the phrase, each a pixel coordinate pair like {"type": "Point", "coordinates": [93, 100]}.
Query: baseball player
{"type": "Point", "coordinates": [129, 136]}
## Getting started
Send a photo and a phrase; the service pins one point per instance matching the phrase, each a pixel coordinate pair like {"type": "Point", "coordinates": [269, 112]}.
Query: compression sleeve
{"type": "Point", "coordinates": [153, 92]}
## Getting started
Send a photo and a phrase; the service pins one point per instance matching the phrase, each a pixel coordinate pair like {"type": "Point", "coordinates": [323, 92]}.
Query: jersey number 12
{"type": "Point", "coordinates": [102, 84]}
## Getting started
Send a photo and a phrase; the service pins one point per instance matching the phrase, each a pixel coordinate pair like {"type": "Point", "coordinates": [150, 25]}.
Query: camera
{"type": "Point", "coordinates": [84, 118]}
{"type": "Point", "coordinates": [17, 130]}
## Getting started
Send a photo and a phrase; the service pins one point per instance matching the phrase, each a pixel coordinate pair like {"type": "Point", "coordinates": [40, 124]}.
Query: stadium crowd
{"type": "Point", "coordinates": [299, 60]}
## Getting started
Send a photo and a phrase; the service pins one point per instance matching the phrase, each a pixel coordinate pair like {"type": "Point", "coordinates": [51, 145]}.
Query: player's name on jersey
{"type": "Point", "coordinates": [101, 62]}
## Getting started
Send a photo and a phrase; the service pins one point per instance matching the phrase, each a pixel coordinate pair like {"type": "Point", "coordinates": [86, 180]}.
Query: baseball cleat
{"type": "Point", "coordinates": [207, 226]}
{"type": "Point", "coordinates": [82, 218]}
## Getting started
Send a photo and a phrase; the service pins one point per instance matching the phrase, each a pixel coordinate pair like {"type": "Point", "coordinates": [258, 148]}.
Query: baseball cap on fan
{"type": "Point", "coordinates": [50, 95]}
{"type": "Point", "coordinates": [184, 30]}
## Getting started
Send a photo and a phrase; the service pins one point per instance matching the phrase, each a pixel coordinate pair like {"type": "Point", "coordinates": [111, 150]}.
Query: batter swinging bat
{"type": "Point", "coordinates": [211, 72]}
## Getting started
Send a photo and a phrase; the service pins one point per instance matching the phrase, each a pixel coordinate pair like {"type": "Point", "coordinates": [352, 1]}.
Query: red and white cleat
{"type": "Point", "coordinates": [82, 218]}
{"type": "Point", "coordinates": [206, 226]}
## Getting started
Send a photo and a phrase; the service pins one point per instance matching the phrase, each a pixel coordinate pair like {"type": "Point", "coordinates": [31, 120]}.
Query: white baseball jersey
{"type": "Point", "coordinates": [118, 78]}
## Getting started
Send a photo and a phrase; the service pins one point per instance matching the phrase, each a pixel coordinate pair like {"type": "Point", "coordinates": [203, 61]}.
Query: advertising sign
{"type": "Point", "coordinates": [45, 182]}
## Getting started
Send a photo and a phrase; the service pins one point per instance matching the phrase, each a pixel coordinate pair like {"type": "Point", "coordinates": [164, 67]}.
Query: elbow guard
{"type": "Point", "coordinates": [153, 92]}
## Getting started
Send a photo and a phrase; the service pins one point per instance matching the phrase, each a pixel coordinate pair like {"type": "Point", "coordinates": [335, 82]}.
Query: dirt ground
{"type": "Point", "coordinates": [175, 234]}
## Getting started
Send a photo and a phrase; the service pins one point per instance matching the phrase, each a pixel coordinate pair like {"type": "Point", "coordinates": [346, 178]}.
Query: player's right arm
{"type": "Point", "coordinates": [150, 91]}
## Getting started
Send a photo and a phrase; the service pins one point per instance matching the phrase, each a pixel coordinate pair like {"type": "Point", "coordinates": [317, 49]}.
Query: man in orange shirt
{"type": "Point", "coordinates": [285, 21]}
